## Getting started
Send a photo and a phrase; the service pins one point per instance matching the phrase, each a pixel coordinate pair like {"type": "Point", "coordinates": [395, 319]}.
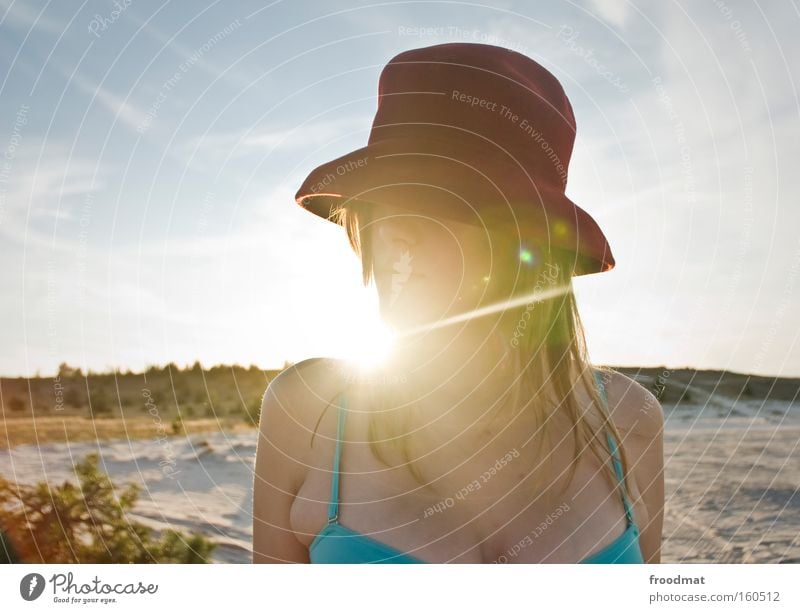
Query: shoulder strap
{"type": "Point", "coordinates": [618, 469]}
{"type": "Point", "coordinates": [612, 444]}
{"type": "Point", "coordinates": [601, 385]}
{"type": "Point", "coordinates": [333, 505]}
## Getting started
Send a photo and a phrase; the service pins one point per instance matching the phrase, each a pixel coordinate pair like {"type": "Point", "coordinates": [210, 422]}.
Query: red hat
{"type": "Point", "coordinates": [470, 132]}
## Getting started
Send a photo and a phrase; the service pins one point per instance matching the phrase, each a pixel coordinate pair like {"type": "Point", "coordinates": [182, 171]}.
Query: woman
{"type": "Point", "coordinates": [487, 436]}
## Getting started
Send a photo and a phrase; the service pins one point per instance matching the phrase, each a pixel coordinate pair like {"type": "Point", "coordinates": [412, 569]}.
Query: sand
{"type": "Point", "coordinates": [732, 485]}
{"type": "Point", "coordinates": [732, 479]}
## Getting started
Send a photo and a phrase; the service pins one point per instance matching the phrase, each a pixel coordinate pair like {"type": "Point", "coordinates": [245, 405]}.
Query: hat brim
{"type": "Point", "coordinates": [462, 183]}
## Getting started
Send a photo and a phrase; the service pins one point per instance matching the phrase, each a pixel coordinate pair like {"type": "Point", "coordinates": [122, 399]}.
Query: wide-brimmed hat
{"type": "Point", "coordinates": [470, 132]}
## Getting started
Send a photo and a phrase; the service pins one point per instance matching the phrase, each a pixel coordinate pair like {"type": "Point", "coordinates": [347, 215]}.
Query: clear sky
{"type": "Point", "coordinates": [150, 152]}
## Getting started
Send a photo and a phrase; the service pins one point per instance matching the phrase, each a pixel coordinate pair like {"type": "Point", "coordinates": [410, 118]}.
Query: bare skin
{"type": "Point", "coordinates": [292, 480]}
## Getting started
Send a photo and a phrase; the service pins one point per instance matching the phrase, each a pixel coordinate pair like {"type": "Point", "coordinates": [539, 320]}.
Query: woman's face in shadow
{"type": "Point", "coordinates": [425, 268]}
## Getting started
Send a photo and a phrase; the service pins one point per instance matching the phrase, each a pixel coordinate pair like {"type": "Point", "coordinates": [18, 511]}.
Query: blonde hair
{"type": "Point", "coordinates": [549, 354]}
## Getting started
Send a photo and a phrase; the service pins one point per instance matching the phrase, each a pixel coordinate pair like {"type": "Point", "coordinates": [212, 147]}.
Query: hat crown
{"type": "Point", "coordinates": [487, 96]}
{"type": "Point", "coordinates": [474, 133]}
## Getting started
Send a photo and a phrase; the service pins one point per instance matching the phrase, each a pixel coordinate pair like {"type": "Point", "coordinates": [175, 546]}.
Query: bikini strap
{"type": "Point", "coordinates": [612, 444]}
{"type": "Point", "coordinates": [333, 505]}
{"type": "Point", "coordinates": [618, 469]}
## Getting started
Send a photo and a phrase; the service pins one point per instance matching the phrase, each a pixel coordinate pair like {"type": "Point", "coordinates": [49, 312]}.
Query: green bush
{"type": "Point", "coordinates": [87, 524]}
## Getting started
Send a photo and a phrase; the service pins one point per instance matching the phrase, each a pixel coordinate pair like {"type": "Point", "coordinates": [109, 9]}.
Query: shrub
{"type": "Point", "coordinates": [16, 404]}
{"type": "Point", "coordinates": [8, 555]}
{"type": "Point", "coordinates": [177, 425]}
{"type": "Point", "coordinates": [72, 397]}
{"type": "Point", "coordinates": [100, 405]}
{"type": "Point", "coordinates": [254, 410]}
{"type": "Point", "coordinates": [87, 524]}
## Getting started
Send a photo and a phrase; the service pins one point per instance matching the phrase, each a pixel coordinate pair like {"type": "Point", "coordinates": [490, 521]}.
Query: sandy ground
{"type": "Point", "coordinates": [732, 479]}
{"type": "Point", "coordinates": [208, 486]}
{"type": "Point", "coordinates": [732, 484]}
{"type": "Point", "coordinates": [16, 431]}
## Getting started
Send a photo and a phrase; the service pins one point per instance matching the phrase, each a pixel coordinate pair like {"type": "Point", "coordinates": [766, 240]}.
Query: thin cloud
{"type": "Point", "coordinates": [237, 78]}
{"type": "Point", "coordinates": [24, 17]}
{"type": "Point", "coordinates": [208, 151]}
{"type": "Point", "coordinates": [46, 188]}
{"type": "Point", "coordinates": [615, 12]}
{"type": "Point", "coordinates": [121, 109]}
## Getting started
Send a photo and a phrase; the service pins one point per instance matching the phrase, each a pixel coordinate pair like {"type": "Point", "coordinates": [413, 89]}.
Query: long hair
{"type": "Point", "coordinates": [547, 346]}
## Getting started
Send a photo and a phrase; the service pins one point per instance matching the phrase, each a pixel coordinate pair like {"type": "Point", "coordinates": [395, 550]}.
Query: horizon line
{"type": "Point", "coordinates": [127, 371]}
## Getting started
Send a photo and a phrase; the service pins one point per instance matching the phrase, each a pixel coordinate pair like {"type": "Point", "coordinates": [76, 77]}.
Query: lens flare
{"type": "Point", "coordinates": [526, 256]}
{"type": "Point", "coordinates": [373, 346]}
{"type": "Point", "coordinates": [535, 296]}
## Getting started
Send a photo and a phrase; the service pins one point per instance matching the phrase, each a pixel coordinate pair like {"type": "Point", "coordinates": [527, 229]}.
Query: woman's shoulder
{"type": "Point", "coordinates": [301, 391]}
{"type": "Point", "coordinates": [640, 419]}
{"type": "Point", "coordinates": [304, 386]}
{"type": "Point", "coordinates": [311, 370]}
{"type": "Point", "coordinates": [634, 409]}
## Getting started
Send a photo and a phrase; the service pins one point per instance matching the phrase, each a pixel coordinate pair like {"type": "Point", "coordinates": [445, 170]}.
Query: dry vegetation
{"type": "Point", "coordinates": [74, 406]}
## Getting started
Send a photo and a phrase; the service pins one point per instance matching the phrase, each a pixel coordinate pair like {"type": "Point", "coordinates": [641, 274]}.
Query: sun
{"type": "Point", "coordinates": [371, 347]}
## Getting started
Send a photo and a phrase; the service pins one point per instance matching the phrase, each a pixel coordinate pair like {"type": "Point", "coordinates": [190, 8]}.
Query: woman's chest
{"type": "Point", "coordinates": [478, 502]}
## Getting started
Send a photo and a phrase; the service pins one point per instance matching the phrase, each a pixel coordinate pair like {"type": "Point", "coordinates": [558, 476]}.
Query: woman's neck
{"type": "Point", "coordinates": [471, 366]}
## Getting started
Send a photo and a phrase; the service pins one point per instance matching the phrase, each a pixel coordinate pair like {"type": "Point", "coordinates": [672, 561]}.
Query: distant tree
{"type": "Point", "coordinates": [88, 524]}
{"type": "Point", "coordinates": [16, 404]}
{"type": "Point", "coordinates": [65, 371]}
{"type": "Point", "coordinates": [182, 393]}
{"type": "Point", "coordinates": [72, 397]}
{"type": "Point", "coordinates": [99, 404]}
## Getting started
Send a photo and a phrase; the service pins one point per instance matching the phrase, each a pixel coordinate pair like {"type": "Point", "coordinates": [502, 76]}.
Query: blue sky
{"type": "Point", "coordinates": [149, 157]}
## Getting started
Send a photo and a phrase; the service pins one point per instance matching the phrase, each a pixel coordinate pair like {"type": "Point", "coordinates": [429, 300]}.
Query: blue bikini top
{"type": "Point", "coordinates": [338, 544]}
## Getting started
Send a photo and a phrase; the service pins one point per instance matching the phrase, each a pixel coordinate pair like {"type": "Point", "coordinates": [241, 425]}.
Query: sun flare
{"type": "Point", "coordinates": [372, 347]}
